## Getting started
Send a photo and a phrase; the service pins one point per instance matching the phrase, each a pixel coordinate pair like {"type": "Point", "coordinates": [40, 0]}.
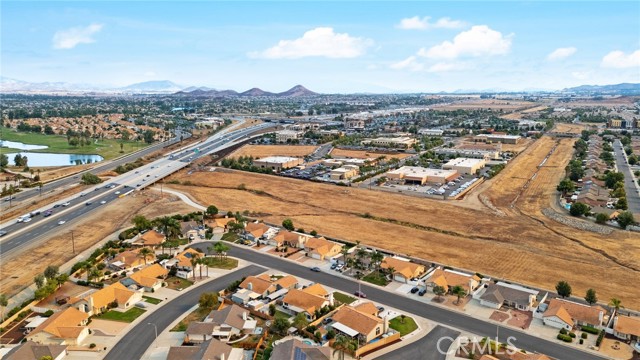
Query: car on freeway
{"type": "Point", "coordinates": [61, 222]}
{"type": "Point", "coordinates": [56, 206]}
{"type": "Point", "coordinates": [138, 185]}
{"type": "Point", "coordinates": [156, 176]}
{"type": "Point", "coordinates": [360, 294]}
{"type": "Point", "coordinates": [117, 193]}
{"type": "Point", "coordinates": [9, 198]}
{"type": "Point", "coordinates": [137, 172]}
{"type": "Point", "coordinates": [88, 203]}
{"type": "Point", "coordinates": [315, 269]}
{"type": "Point", "coordinates": [82, 194]}
{"type": "Point", "coordinates": [66, 204]}
{"type": "Point", "coordinates": [27, 219]}
{"type": "Point", "coordinates": [47, 213]}
{"type": "Point", "coordinates": [3, 233]}
{"type": "Point", "coordinates": [103, 202]}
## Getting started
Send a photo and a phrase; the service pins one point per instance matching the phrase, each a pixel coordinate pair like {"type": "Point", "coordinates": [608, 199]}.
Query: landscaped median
{"type": "Point", "coordinates": [403, 324]}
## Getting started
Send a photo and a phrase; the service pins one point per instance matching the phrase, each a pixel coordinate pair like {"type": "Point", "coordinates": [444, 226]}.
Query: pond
{"type": "Point", "coordinates": [21, 146]}
{"type": "Point", "coordinates": [50, 159]}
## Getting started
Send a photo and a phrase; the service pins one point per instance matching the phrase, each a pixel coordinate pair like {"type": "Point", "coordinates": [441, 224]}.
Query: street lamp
{"type": "Point", "coordinates": [156, 329]}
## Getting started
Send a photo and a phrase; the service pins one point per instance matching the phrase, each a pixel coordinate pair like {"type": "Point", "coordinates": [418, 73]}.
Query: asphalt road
{"type": "Point", "coordinates": [428, 311]}
{"type": "Point", "coordinates": [22, 234]}
{"type": "Point", "coordinates": [633, 198]}
{"type": "Point", "coordinates": [430, 347]}
{"type": "Point", "coordinates": [28, 194]}
{"type": "Point", "coordinates": [138, 340]}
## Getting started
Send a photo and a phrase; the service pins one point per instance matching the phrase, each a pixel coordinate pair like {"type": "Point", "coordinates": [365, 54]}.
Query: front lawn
{"type": "Point", "coordinates": [376, 278]}
{"type": "Point", "coordinates": [345, 299]}
{"type": "Point", "coordinates": [281, 314]}
{"type": "Point", "coordinates": [220, 263]}
{"type": "Point", "coordinates": [152, 300]}
{"type": "Point", "coordinates": [230, 237]}
{"type": "Point", "coordinates": [197, 315]}
{"type": "Point", "coordinates": [176, 283]}
{"type": "Point", "coordinates": [127, 316]}
{"type": "Point", "coordinates": [403, 327]}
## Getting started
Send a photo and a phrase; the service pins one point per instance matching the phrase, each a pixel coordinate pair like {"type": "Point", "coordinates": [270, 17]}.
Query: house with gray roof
{"type": "Point", "coordinates": [510, 295]}
{"type": "Point", "coordinates": [294, 349]}
{"type": "Point", "coordinates": [33, 351]}
{"type": "Point", "coordinates": [211, 349]}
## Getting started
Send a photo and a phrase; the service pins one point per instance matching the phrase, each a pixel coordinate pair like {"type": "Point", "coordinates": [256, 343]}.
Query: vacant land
{"type": "Point", "coordinates": [361, 154]}
{"type": "Point", "coordinates": [107, 148]}
{"type": "Point", "coordinates": [569, 128]}
{"type": "Point", "coordinates": [519, 147]}
{"type": "Point", "coordinates": [91, 229]}
{"type": "Point", "coordinates": [490, 104]}
{"type": "Point", "coordinates": [529, 248]}
{"type": "Point", "coordinates": [258, 151]}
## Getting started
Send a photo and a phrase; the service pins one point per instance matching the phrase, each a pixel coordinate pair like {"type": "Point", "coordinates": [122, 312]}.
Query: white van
{"type": "Point", "coordinates": [24, 217]}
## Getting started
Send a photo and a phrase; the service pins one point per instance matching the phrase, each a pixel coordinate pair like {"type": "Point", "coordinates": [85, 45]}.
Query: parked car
{"type": "Point", "coordinates": [334, 266]}
{"type": "Point", "coordinates": [339, 267]}
{"type": "Point", "coordinates": [415, 290]}
{"type": "Point", "coordinates": [327, 320]}
{"type": "Point", "coordinates": [380, 309]}
{"type": "Point", "coordinates": [422, 292]}
{"type": "Point", "coordinates": [315, 269]}
{"type": "Point", "coordinates": [360, 294]}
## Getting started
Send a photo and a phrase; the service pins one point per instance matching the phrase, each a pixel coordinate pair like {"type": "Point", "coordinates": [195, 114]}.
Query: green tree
{"type": "Point", "coordinates": [566, 186]}
{"type": "Point", "coordinates": [4, 160]}
{"type": "Point", "coordinates": [288, 224]}
{"type": "Point", "coordinates": [90, 179]}
{"type": "Point", "coordinates": [121, 147]}
{"type": "Point", "coordinates": [601, 218]}
{"type": "Point", "coordinates": [141, 222]}
{"type": "Point", "coordinates": [439, 291]}
{"type": "Point", "coordinates": [39, 281]}
{"type": "Point", "coordinates": [300, 321]}
{"type": "Point", "coordinates": [625, 219]}
{"type": "Point", "coordinates": [212, 210]}
{"type": "Point", "coordinates": [272, 309]}
{"type": "Point", "coordinates": [3, 304]}
{"type": "Point", "coordinates": [169, 226]}
{"type": "Point", "coordinates": [590, 297]}
{"type": "Point", "coordinates": [622, 203]}
{"type": "Point", "coordinates": [280, 325]}
{"type": "Point", "coordinates": [343, 344]}
{"type": "Point", "coordinates": [51, 272]}
{"type": "Point", "coordinates": [145, 253]}
{"type": "Point", "coordinates": [148, 136]}
{"type": "Point", "coordinates": [612, 177]}
{"type": "Point", "coordinates": [208, 300]}
{"type": "Point", "coordinates": [616, 304]}
{"type": "Point", "coordinates": [579, 209]}
{"type": "Point", "coordinates": [563, 289]}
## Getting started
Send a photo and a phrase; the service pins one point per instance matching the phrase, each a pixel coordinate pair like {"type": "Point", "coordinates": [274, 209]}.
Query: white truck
{"type": "Point", "coordinates": [24, 217]}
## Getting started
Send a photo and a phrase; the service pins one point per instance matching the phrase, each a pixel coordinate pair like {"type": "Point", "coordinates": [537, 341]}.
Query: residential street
{"type": "Point", "coordinates": [425, 348]}
{"type": "Point", "coordinates": [633, 198]}
{"type": "Point", "coordinates": [134, 344]}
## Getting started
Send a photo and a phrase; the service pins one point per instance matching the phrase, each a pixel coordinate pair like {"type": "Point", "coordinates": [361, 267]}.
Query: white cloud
{"type": "Point", "coordinates": [480, 40]}
{"type": "Point", "coordinates": [561, 53]}
{"type": "Point", "coordinates": [411, 63]}
{"type": "Point", "coordinates": [417, 23]}
{"type": "Point", "coordinates": [619, 60]}
{"type": "Point", "coordinates": [448, 66]}
{"type": "Point", "coordinates": [69, 38]}
{"type": "Point", "coordinates": [318, 42]}
{"type": "Point", "coordinates": [581, 75]}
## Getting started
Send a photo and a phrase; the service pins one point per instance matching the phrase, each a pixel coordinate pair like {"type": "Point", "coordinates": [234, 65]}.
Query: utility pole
{"type": "Point", "coordinates": [73, 243]}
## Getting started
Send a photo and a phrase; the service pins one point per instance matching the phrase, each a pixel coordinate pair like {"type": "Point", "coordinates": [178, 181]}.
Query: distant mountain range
{"type": "Point", "coordinates": [296, 91]}
{"type": "Point", "coordinates": [622, 89]}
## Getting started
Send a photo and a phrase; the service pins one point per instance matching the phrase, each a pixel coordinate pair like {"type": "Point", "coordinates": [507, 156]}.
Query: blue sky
{"type": "Point", "coordinates": [333, 47]}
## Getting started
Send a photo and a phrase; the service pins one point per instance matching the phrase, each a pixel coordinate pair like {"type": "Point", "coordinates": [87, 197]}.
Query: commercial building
{"type": "Point", "coordinates": [284, 136]}
{"type": "Point", "coordinates": [467, 153]}
{"type": "Point", "coordinates": [351, 124]}
{"type": "Point", "coordinates": [465, 165]}
{"type": "Point", "coordinates": [403, 142]}
{"type": "Point", "coordinates": [345, 172]}
{"type": "Point", "coordinates": [431, 132]}
{"type": "Point", "coordinates": [498, 138]}
{"type": "Point", "coordinates": [420, 175]}
{"type": "Point", "coordinates": [277, 163]}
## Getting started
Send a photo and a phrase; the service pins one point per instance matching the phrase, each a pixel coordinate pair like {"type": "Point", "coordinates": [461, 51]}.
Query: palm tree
{"type": "Point", "coordinates": [341, 344]}
{"type": "Point", "coordinates": [344, 252]}
{"type": "Point", "coordinates": [87, 266]}
{"type": "Point", "coordinates": [194, 262]}
{"type": "Point", "coordinates": [169, 226]}
{"type": "Point", "coordinates": [94, 273]}
{"type": "Point", "coordinates": [459, 292]}
{"type": "Point", "coordinates": [144, 253]}
{"type": "Point", "coordinates": [376, 259]}
{"type": "Point", "coordinates": [616, 304]}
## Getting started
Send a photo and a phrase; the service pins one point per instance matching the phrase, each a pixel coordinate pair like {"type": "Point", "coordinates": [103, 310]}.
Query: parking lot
{"type": "Point", "coordinates": [451, 189]}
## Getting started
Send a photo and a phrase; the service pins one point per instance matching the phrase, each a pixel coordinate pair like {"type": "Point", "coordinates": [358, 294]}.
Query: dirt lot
{"type": "Point", "coordinates": [519, 147]}
{"type": "Point", "coordinates": [610, 102]}
{"type": "Point", "coordinates": [90, 230]}
{"type": "Point", "coordinates": [258, 151]}
{"type": "Point", "coordinates": [570, 128]}
{"type": "Point", "coordinates": [357, 154]}
{"type": "Point", "coordinates": [492, 104]}
{"type": "Point", "coordinates": [523, 245]}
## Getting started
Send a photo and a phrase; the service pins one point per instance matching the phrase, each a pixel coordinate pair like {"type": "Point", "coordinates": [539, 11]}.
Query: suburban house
{"type": "Point", "coordinates": [210, 350]}
{"type": "Point", "coordinates": [151, 238]}
{"type": "Point", "coordinates": [130, 259]}
{"type": "Point", "coordinates": [150, 278]}
{"type": "Point", "coordinates": [499, 294]}
{"type": "Point", "coordinates": [32, 351]}
{"type": "Point", "coordinates": [450, 278]}
{"type": "Point", "coordinates": [307, 301]}
{"type": "Point", "coordinates": [182, 262]}
{"type": "Point", "coordinates": [367, 307]}
{"type": "Point", "coordinates": [264, 285]}
{"type": "Point", "coordinates": [321, 248]}
{"type": "Point", "coordinates": [565, 314]}
{"type": "Point", "coordinates": [295, 349]}
{"type": "Point", "coordinates": [627, 328]}
{"type": "Point", "coordinates": [189, 229]}
{"type": "Point", "coordinates": [220, 223]}
{"type": "Point", "coordinates": [198, 332]}
{"type": "Point", "coordinates": [353, 322]}
{"type": "Point", "coordinates": [289, 239]}
{"type": "Point", "coordinates": [101, 300]}
{"type": "Point", "coordinates": [528, 356]}
{"type": "Point", "coordinates": [403, 270]}
{"type": "Point", "coordinates": [257, 230]}
{"type": "Point", "coordinates": [244, 297]}
{"type": "Point", "coordinates": [67, 327]}
{"type": "Point", "coordinates": [231, 320]}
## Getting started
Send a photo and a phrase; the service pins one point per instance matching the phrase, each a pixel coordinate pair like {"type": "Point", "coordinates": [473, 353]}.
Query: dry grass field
{"type": "Point", "coordinates": [361, 154]}
{"type": "Point", "coordinates": [570, 128]}
{"type": "Point", "coordinates": [523, 246]}
{"type": "Point", "coordinates": [519, 147]}
{"type": "Point", "coordinates": [90, 230]}
{"type": "Point", "coordinates": [258, 151]}
{"type": "Point", "coordinates": [491, 104]}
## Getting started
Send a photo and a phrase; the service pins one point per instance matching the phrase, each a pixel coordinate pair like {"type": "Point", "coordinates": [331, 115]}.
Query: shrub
{"type": "Point", "coordinates": [48, 313]}
{"type": "Point", "coordinates": [311, 328]}
{"type": "Point", "coordinates": [590, 330]}
{"type": "Point", "coordinates": [92, 345]}
{"type": "Point", "coordinates": [600, 337]}
{"type": "Point", "coordinates": [563, 331]}
{"type": "Point", "coordinates": [584, 335]}
{"type": "Point", "coordinates": [581, 341]}
{"type": "Point", "coordinates": [572, 334]}
{"type": "Point", "coordinates": [565, 338]}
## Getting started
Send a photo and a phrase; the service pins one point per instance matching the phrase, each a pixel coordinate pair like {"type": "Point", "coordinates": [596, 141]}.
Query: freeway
{"type": "Point", "coordinates": [109, 165]}
{"type": "Point", "coordinates": [21, 234]}
{"type": "Point", "coordinates": [439, 315]}
{"type": "Point", "coordinates": [633, 197]}
{"type": "Point", "coordinates": [138, 339]}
